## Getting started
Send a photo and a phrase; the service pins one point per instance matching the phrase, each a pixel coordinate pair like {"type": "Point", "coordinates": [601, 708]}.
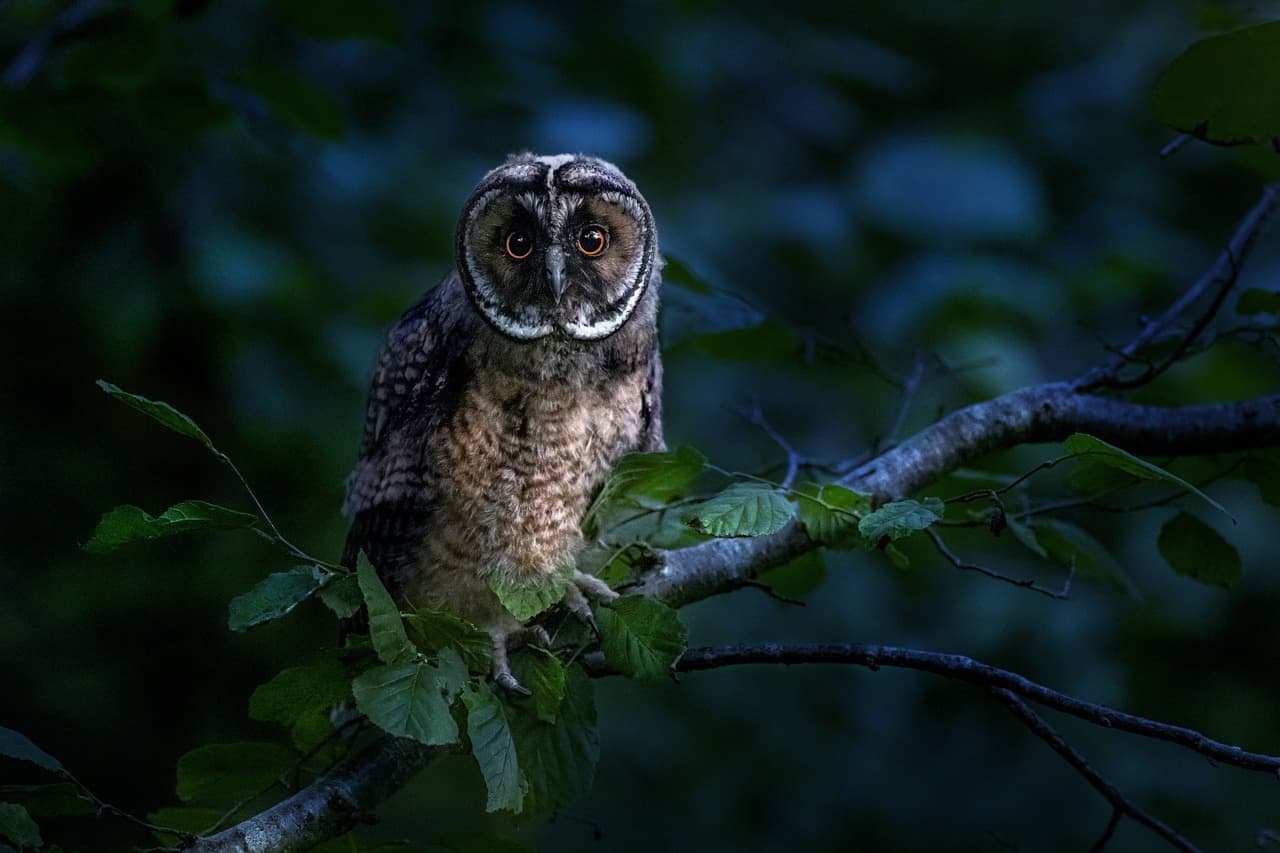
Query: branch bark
{"type": "Point", "coordinates": [1040, 413]}
{"type": "Point", "coordinates": [964, 668]}
{"type": "Point", "coordinates": [1120, 804]}
{"type": "Point", "coordinates": [328, 807]}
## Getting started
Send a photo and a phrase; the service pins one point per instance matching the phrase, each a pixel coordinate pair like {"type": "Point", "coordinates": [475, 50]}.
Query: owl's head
{"type": "Point", "coordinates": [561, 245]}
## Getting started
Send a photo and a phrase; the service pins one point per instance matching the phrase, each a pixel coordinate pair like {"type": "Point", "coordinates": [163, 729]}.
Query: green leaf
{"type": "Point", "coordinates": [897, 556]}
{"type": "Point", "coordinates": [692, 312]}
{"type": "Point", "coordinates": [1222, 89]}
{"type": "Point", "coordinates": [342, 595]}
{"type": "Point", "coordinates": [1097, 449]}
{"type": "Point", "coordinates": [299, 103]}
{"type": "Point", "coordinates": [559, 761]}
{"type": "Point", "coordinates": [17, 745]}
{"type": "Point", "coordinates": [1094, 479]}
{"type": "Point", "coordinates": [495, 750]}
{"type": "Point", "coordinates": [677, 272]}
{"type": "Point", "coordinates": [312, 730]}
{"type": "Point", "coordinates": [57, 800]}
{"type": "Point", "coordinates": [452, 672]}
{"type": "Point", "coordinates": [386, 629]}
{"type": "Point", "coordinates": [656, 478]}
{"type": "Point", "coordinates": [229, 772]}
{"type": "Point", "coordinates": [17, 826]}
{"type": "Point", "coordinates": [1027, 536]}
{"type": "Point", "coordinates": [767, 343]}
{"type": "Point", "coordinates": [191, 819]}
{"type": "Point", "coordinates": [352, 843]}
{"type": "Point", "coordinates": [468, 841]}
{"type": "Point", "coordinates": [900, 519]}
{"type": "Point", "coordinates": [544, 675]}
{"type": "Point", "coordinates": [621, 565]}
{"type": "Point", "coordinates": [1258, 302]}
{"type": "Point", "coordinates": [1195, 550]}
{"type": "Point", "coordinates": [273, 597]}
{"type": "Point", "coordinates": [743, 509]}
{"type": "Point", "coordinates": [1265, 474]}
{"type": "Point", "coordinates": [338, 21]}
{"type": "Point", "coordinates": [618, 524]}
{"type": "Point", "coordinates": [297, 690]}
{"type": "Point", "coordinates": [798, 577]}
{"type": "Point", "coordinates": [527, 597]}
{"type": "Point", "coordinates": [1071, 545]}
{"type": "Point", "coordinates": [830, 513]}
{"type": "Point", "coordinates": [127, 524]}
{"type": "Point", "coordinates": [434, 630]}
{"type": "Point", "coordinates": [167, 415]}
{"type": "Point", "coordinates": [407, 700]}
{"type": "Point", "coordinates": [640, 637]}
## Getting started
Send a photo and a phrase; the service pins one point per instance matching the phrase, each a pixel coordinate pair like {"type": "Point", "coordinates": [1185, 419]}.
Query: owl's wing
{"type": "Point", "coordinates": [651, 407]}
{"type": "Point", "coordinates": [420, 371]}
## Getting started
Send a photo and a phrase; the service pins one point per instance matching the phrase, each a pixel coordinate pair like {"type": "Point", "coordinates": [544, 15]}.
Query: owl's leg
{"type": "Point", "coordinates": [579, 595]}
{"type": "Point", "coordinates": [507, 639]}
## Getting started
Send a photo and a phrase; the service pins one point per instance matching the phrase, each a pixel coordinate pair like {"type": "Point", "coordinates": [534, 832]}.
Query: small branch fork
{"type": "Point", "coordinates": [964, 668]}
{"type": "Point", "coordinates": [754, 415]}
{"type": "Point", "coordinates": [1121, 805]}
{"type": "Point", "coordinates": [1010, 688]}
{"type": "Point", "coordinates": [1223, 274]}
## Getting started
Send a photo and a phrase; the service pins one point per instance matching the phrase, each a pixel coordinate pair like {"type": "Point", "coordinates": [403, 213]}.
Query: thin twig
{"type": "Point", "coordinates": [104, 806]}
{"type": "Point", "coordinates": [1091, 503]}
{"type": "Point", "coordinates": [295, 769]}
{"type": "Point", "coordinates": [1224, 274]}
{"type": "Point", "coordinates": [273, 530]}
{"type": "Point", "coordinates": [964, 668]}
{"type": "Point", "coordinates": [977, 494]}
{"type": "Point", "coordinates": [773, 593]}
{"type": "Point", "coordinates": [1118, 801]}
{"type": "Point", "coordinates": [910, 387]}
{"type": "Point", "coordinates": [1024, 583]}
{"type": "Point", "coordinates": [1173, 146]}
{"type": "Point", "coordinates": [28, 61]}
{"type": "Point", "coordinates": [1108, 832]}
{"type": "Point", "coordinates": [755, 416]}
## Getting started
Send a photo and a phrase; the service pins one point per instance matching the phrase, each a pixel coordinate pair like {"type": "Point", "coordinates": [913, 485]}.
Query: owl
{"type": "Point", "coordinates": [502, 399]}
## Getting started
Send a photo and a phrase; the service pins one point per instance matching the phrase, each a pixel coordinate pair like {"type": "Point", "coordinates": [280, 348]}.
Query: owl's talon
{"type": "Point", "coordinates": [537, 635]}
{"type": "Point", "coordinates": [593, 588]}
{"type": "Point", "coordinates": [508, 682]}
{"type": "Point", "coordinates": [576, 602]}
{"type": "Point", "coordinates": [502, 663]}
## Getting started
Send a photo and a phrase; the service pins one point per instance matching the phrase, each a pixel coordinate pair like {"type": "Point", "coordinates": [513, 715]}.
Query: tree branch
{"type": "Point", "coordinates": [1052, 412]}
{"type": "Point", "coordinates": [964, 668]}
{"type": "Point", "coordinates": [329, 806]}
{"type": "Point", "coordinates": [1224, 273]}
{"type": "Point", "coordinates": [1119, 802]}
{"type": "Point", "coordinates": [1041, 413]}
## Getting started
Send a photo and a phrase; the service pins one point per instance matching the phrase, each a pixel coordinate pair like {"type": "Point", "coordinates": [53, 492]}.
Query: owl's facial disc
{"type": "Point", "coordinates": [556, 246]}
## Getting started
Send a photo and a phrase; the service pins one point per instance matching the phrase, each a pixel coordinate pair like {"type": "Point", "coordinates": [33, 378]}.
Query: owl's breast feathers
{"type": "Point", "coordinates": [480, 454]}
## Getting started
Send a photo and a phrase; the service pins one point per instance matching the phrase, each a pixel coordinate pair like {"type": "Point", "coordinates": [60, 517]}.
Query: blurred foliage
{"type": "Point", "coordinates": [224, 204]}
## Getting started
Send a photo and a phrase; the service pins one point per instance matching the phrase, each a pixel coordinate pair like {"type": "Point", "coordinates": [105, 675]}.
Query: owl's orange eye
{"type": "Point", "coordinates": [592, 240]}
{"type": "Point", "coordinates": [519, 245]}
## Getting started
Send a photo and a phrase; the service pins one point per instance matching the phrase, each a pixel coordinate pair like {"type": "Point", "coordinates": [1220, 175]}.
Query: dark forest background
{"type": "Point", "coordinates": [223, 205]}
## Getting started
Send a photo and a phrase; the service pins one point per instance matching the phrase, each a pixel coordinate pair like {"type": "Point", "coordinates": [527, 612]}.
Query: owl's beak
{"type": "Point", "coordinates": [555, 272]}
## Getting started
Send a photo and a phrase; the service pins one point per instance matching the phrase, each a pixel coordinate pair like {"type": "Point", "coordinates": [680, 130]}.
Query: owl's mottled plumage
{"type": "Point", "coordinates": [501, 400]}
